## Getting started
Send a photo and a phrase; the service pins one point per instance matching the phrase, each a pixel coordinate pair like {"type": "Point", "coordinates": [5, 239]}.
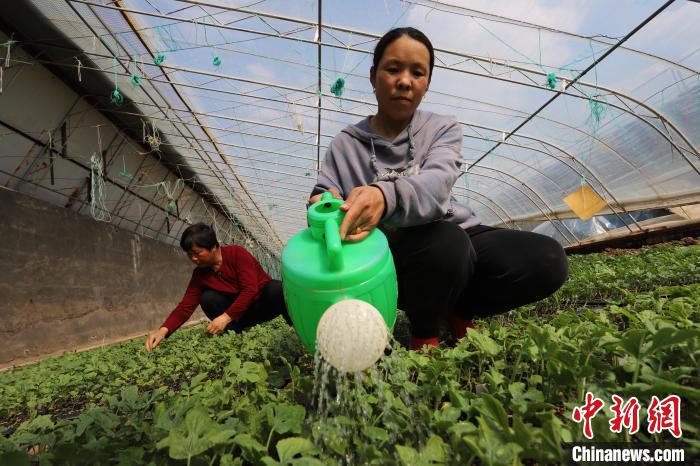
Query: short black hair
{"type": "Point", "coordinates": [199, 234]}
{"type": "Point", "coordinates": [396, 33]}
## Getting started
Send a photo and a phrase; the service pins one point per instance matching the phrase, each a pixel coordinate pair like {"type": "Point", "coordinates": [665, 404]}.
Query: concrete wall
{"type": "Point", "coordinates": [69, 282]}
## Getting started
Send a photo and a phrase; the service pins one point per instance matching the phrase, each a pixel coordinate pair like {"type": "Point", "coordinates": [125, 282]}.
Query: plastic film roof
{"type": "Point", "coordinates": [249, 94]}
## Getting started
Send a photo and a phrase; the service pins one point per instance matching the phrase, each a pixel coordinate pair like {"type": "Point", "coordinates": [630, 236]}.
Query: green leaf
{"type": "Point", "coordinates": [668, 336]}
{"type": "Point", "coordinates": [407, 455]}
{"type": "Point", "coordinates": [493, 409]}
{"type": "Point", "coordinates": [631, 341]}
{"type": "Point", "coordinates": [376, 433]}
{"type": "Point", "coordinates": [252, 372]}
{"type": "Point", "coordinates": [198, 379]}
{"type": "Point", "coordinates": [435, 450]}
{"type": "Point", "coordinates": [228, 460]}
{"type": "Point", "coordinates": [288, 448]}
{"type": "Point", "coordinates": [484, 343]}
{"type": "Point", "coordinates": [252, 449]}
{"type": "Point", "coordinates": [285, 418]}
{"type": "Point", "coordinates": [196, 438]}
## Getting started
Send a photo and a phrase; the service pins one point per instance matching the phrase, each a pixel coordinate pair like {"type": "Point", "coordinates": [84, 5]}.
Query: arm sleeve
{"type": "Point", "coordinates": [328, 176]}
{"type": "Point", "coordinates": [187, 305]}
{"type": "Point", "coordinates": [248, 284]}
{"type": "Point", "coordinates": [425, 196]}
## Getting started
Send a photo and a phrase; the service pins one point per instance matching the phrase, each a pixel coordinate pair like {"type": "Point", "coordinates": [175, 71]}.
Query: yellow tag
{"type": "Point", "coordinates": [585, 202]}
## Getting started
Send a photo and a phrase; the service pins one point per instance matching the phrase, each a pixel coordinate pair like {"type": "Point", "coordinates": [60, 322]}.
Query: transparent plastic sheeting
{"type": "Point", "coordinates": [239, 80]}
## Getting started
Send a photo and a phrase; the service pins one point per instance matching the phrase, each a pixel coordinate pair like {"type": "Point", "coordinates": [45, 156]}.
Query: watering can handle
{"type": "Point", "coordinates": [334, 247]}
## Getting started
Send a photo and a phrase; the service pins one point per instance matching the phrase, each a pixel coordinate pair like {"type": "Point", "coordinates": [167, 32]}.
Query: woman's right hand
{"type": "Point", "coordinates": [154, 338]}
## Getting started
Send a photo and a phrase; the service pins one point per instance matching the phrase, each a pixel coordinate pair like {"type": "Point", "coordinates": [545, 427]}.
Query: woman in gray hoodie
{"type": "Point", "coordinates": [396, 171]}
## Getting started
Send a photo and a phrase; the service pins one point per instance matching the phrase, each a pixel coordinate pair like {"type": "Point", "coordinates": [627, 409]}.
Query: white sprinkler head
{"type": "Point", "coordinates": [351, 335]}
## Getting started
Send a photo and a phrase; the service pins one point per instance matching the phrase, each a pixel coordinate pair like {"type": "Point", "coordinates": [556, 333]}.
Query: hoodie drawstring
{"type": "Point", "coordinates": [373, 160]}
{"type": "Point", "coordinates": [411, 155]}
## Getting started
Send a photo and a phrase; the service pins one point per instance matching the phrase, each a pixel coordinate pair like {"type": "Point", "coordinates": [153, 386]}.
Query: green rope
{"type": "Point", "coordinates": [125, 175]}
{"type": "Point", "coordinates": [171, 207]}
{"type": "Point", "coordinates": [338, 87]}
{"type": "Point", "coordinates": [135, 76]}
{"type": "Point", "coordinates": [160, 56]}
{"type": "Point", "coordinates": [116, 97]}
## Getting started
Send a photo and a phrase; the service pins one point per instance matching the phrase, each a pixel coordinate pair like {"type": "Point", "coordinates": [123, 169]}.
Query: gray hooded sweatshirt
{"type": "Point", "coordinates": [416, 171]}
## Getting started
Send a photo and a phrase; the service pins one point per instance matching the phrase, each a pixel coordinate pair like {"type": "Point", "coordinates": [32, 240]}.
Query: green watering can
{"type": "Point", "coordinates": [319, 270]}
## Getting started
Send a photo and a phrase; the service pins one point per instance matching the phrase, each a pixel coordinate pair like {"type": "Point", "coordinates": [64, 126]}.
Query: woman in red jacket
{"type": "Point", "coordinates": [229, 283]}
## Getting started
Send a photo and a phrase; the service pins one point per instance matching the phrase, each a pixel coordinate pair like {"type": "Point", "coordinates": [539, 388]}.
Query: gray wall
{"type": "Point", "coordinates": [69, 282]}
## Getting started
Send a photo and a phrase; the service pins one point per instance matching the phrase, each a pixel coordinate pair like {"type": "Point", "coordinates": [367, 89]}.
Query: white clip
{"type": "Point", "coordinates": [563, 84]}
{"type": "Point", "coordinates": [503, 136]}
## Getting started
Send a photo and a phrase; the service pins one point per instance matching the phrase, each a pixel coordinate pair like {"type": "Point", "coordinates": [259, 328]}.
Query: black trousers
{"type": "Point", "coordinates": [269, 305]}
{"type": "Point", "coordinates": [478, 272]}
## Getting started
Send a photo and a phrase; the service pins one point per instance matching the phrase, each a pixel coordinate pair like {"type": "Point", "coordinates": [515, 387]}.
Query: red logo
{"type": "Point", "coordinates": [665, 415]}
{"type": "Point", "coordinates": [626, 415]}
{"type": "Point", "coordinates": [662, 414]}
{"type": "Point", "coordinates": [587, 412]}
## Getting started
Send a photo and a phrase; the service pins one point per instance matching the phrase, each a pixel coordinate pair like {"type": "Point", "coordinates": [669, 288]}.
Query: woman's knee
{"type": "Point", "coordinates": [442, 250]}
{"type": "Point", "coordinates": [554, 265]}
{"type": "Point", "coordinates": [214, 303]}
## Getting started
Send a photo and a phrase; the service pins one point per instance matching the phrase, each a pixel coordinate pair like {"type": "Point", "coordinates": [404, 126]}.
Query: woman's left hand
{"type": "Point", "coordinates": [219, 324]}
{"type": "Point", "coordinates": [363, 208]}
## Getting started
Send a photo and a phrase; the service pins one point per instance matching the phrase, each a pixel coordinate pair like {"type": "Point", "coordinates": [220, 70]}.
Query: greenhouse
{"type": "Point", "coordinates": [309, 181]}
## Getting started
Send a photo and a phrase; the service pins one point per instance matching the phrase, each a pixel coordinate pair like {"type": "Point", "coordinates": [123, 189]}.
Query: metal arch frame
{"type": "Point", "coordinates": [622, 157]}
{"type": "Point", "coordinates": [120, 62]}
{"type": "Point", "coordinates": [484, 167]}
{"type": "Point", "coordinates": [545, 142]}
{"type": "Point", "coordinates": [546, 204]}
{"type": "Point", "coordinates": [224, 117]}
{"type": "Point", "coordinates": [366, 34]}
{"type": "Point", "coordinates": [522, 23]}
{"type": "Point", "coordinates": [527, 196]}
{"type": "Point", "coordinates": [571, 157]}
{"type": "Point", "coordinates": [501, 156]}
{"type": "Point", "coordinates": [462, 55]}
{"type": "Point", "coordinates": [374, 36]}
{"type": "Point", "coordinates": [505, 212]}
{"type": "Point", "coordinates": [584, 97]}
{"type": "Point", "coordinates": [177, 92]}
{"type": "Point", "coordinates": [601, 142]}
{"type": "Point", "coordinates": [362, 102]}
{"type": "Point", "coordinates": [574, 128]}
{"type": "Point", "coordinates": [561, 190]}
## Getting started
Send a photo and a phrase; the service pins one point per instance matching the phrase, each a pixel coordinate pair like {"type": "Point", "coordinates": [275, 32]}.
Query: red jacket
{"type": "Point", "coordinates": [240, 275]}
